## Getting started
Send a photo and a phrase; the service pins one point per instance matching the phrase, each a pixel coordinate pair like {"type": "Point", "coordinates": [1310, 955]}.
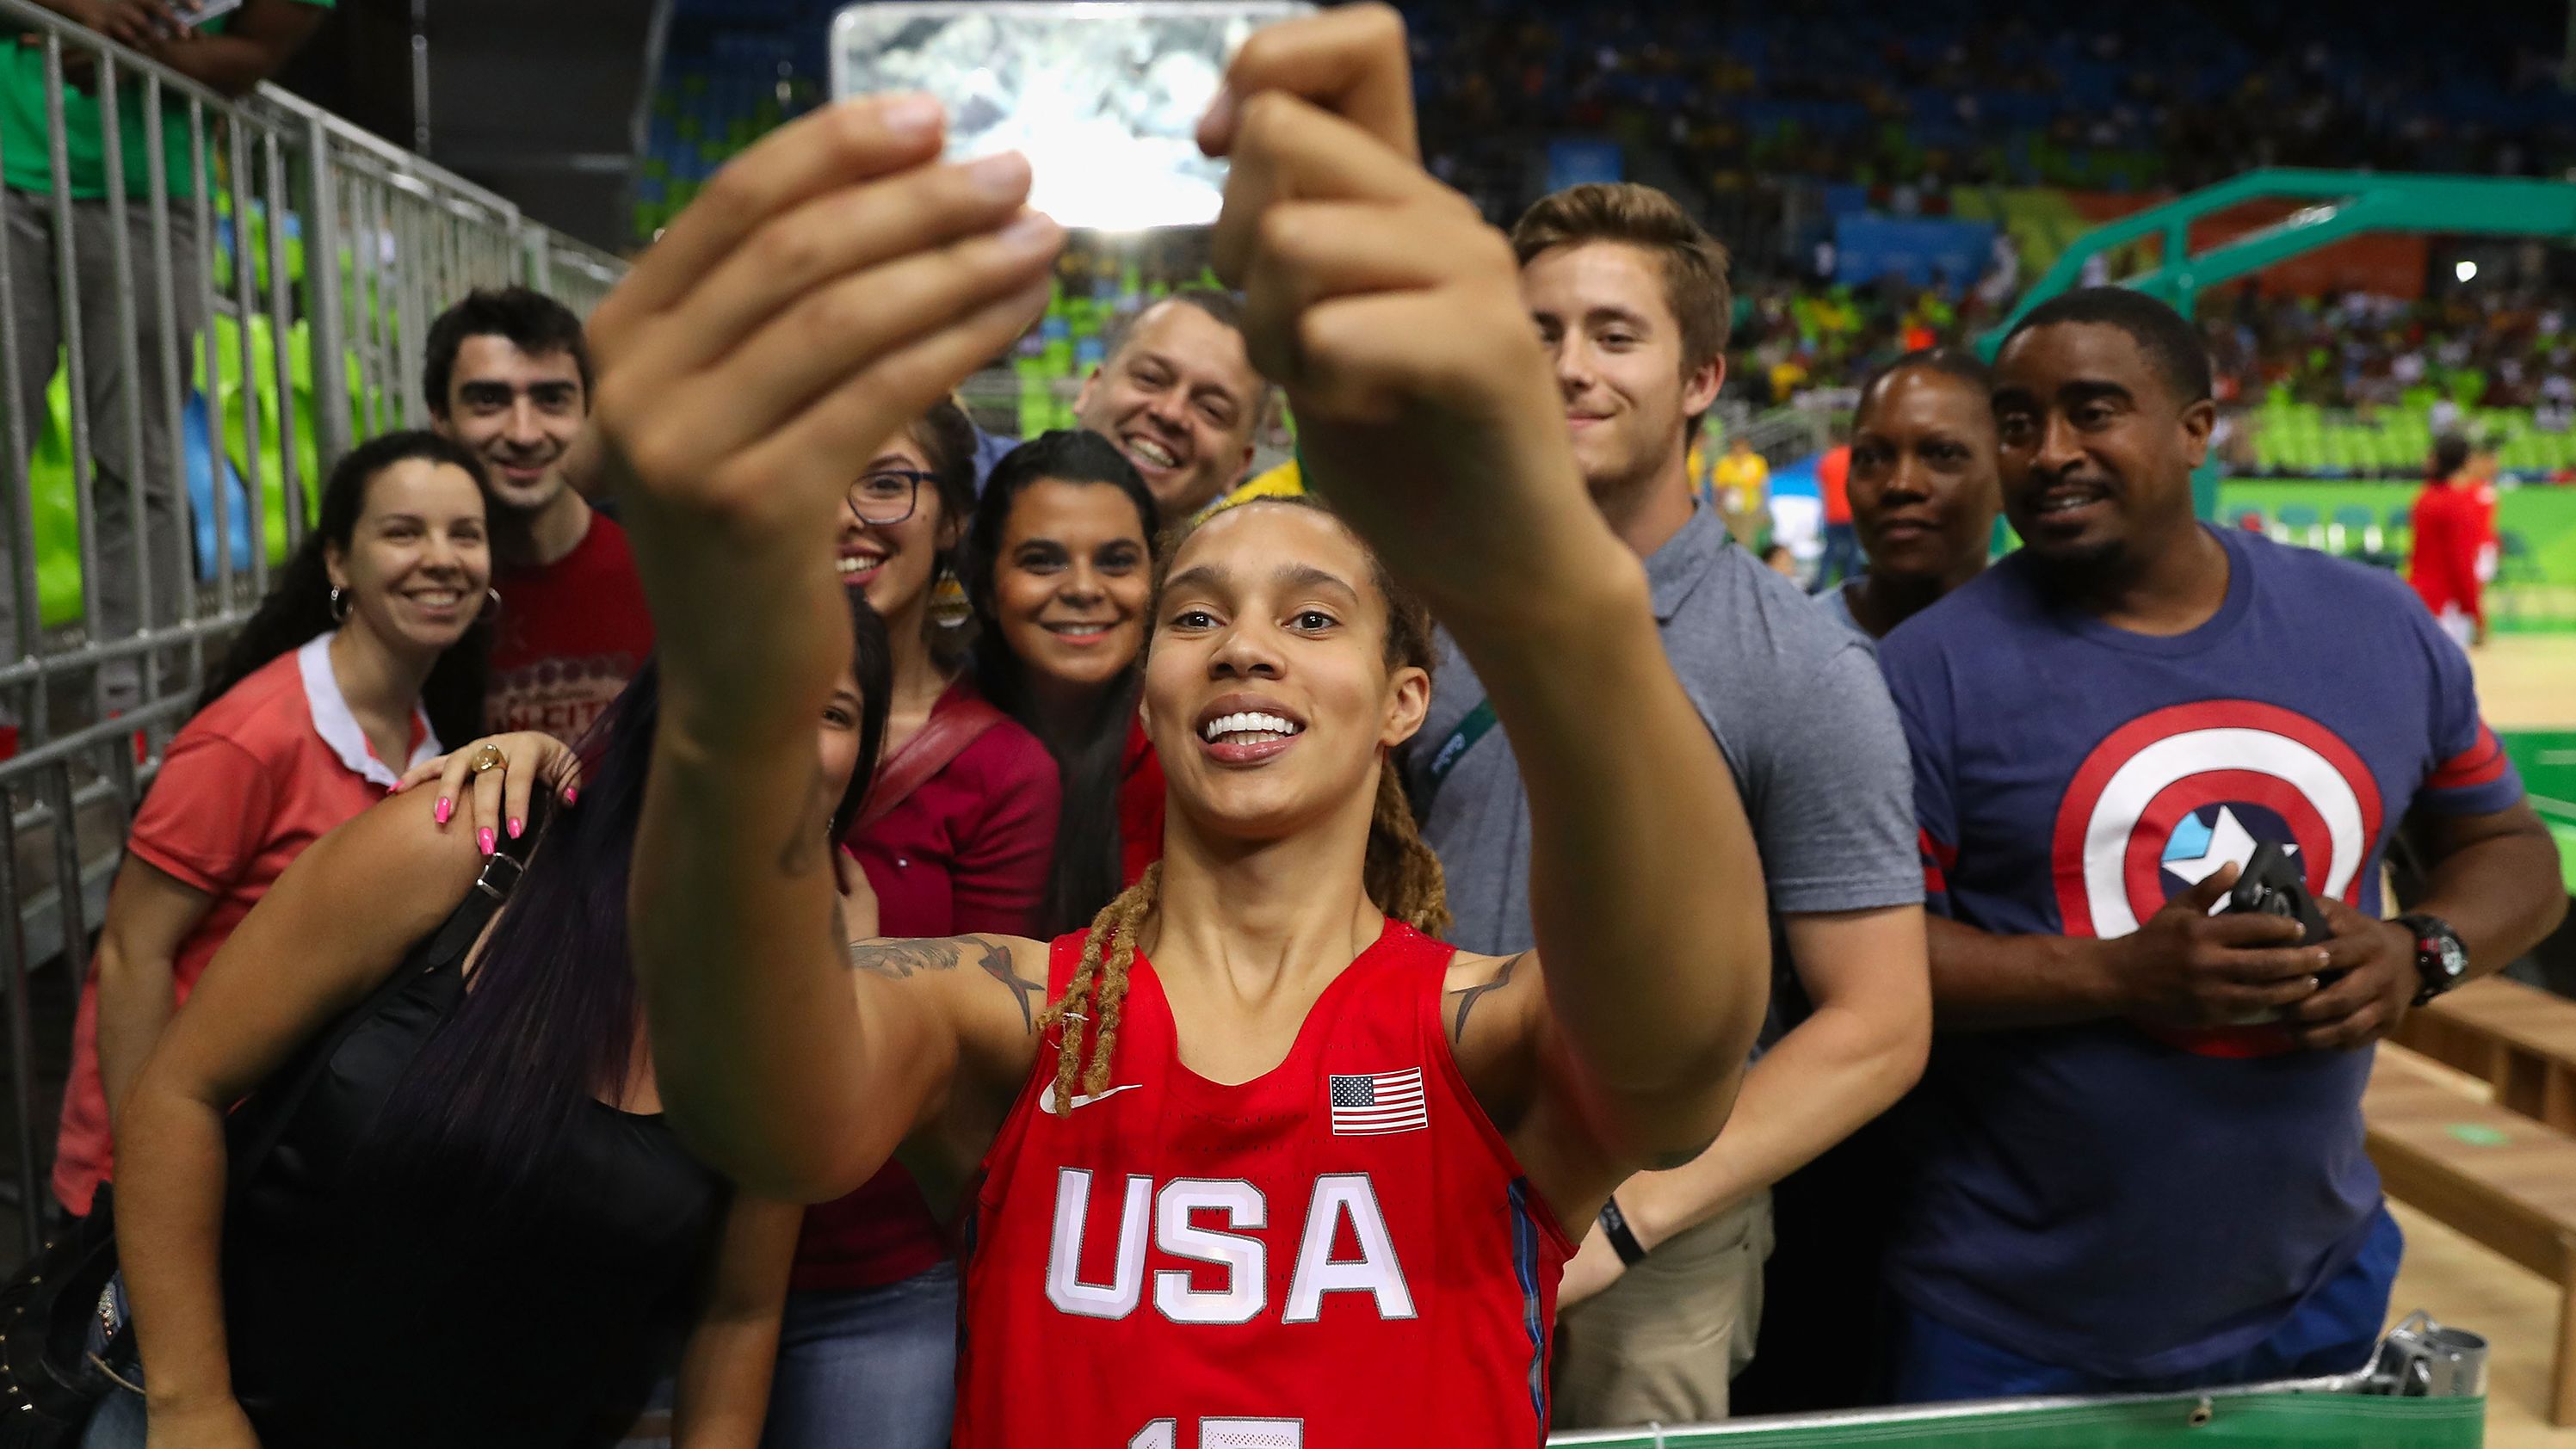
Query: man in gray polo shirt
{"type": "Point", "coordinates": [1630, 296]}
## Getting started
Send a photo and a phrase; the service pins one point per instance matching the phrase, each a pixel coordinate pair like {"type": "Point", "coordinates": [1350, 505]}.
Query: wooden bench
{"type": "Point", "coordinates": [2518, 1039]}
{"type": "Point", "coordinates": [2494, 1175]}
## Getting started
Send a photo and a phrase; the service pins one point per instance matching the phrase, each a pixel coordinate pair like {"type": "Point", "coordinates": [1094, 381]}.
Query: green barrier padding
{"type": "Point", "coordinates": [2276, 1421]}
{"type": "Point", "coordinates": [49, 467]}
{"type": "Point", "coordinates": [2543, 514]}
{"type": "Point", "coordinates": [2547, 762]}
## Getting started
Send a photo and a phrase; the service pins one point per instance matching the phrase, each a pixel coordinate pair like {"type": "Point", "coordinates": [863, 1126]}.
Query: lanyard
{"type": "Point", "coordinates": [1452, 750]}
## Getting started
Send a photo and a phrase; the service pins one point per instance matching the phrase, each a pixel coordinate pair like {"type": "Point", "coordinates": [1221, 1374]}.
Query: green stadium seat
{"type": "Point", "coordinates": [2355, 533]}
{"type": "Point", "coordinates": [2302, 524]}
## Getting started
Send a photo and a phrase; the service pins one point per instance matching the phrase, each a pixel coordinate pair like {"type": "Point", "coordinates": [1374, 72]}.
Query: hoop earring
{"type": "Point", "coordinates": [339, 606]}
{"type": "Point", "coordinates": [949, 606]}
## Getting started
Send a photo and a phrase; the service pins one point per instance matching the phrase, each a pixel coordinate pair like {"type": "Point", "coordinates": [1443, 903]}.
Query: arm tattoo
{"type": "Point", "coordinates": [997, 964]}
{"type": "Point", "coordinates": [900, 960]}
{"type": "Point", "coordinates": [1467, 998]}
{"type": "Point", "coordinates": [896, 960]}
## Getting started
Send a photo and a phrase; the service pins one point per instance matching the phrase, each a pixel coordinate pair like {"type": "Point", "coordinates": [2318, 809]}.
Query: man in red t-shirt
{"type": "Point", "coordinates": [509, 376]}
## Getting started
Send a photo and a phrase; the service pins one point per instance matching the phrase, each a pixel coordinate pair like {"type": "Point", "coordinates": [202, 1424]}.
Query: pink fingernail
{"type": "Point", "coordinates": [483, 837]}
{"type": "Point", "coordinates": [446, 807]}
{"type": "Point", "coordinates": [516, 825]}
{"type": "Point", "coordinates": [572, 794]}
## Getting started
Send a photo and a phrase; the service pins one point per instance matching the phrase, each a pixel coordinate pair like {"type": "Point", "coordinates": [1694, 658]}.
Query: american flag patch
{"type": "Point", "coordinates": [1365, 1106]}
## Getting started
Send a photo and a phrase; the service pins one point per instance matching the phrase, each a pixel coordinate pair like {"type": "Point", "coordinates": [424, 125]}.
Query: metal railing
{"type": "Point", "coordinates": [235, 306]}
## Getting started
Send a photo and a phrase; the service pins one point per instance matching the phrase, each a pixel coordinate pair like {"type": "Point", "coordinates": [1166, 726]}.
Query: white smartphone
{"type": "Point", "coordinates": [1103, 96]}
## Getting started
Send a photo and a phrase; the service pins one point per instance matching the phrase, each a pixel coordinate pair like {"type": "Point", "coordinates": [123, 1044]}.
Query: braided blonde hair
{"type": "Point", "coordinates": [1401, 875]}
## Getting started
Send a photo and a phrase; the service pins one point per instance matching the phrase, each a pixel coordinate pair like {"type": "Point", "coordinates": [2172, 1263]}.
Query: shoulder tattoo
{"type": "Point", "coordinates": [1467, 997]}
{"type": "Point", "coordinates": [997, 964]}
{"type": "Point", "coordinates": [901, 960]}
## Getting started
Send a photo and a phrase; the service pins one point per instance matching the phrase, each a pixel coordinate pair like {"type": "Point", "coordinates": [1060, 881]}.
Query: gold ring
{"type": "Point", "coordinates": [490, 758]}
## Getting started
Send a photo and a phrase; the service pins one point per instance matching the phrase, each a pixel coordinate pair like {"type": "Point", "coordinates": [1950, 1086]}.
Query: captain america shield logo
{"type": "Point", "coordinates": [2174, 796]}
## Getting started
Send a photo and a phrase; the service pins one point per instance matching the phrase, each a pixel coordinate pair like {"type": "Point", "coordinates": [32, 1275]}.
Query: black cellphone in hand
{"type": "Point", "coordinates": [2272, 884]}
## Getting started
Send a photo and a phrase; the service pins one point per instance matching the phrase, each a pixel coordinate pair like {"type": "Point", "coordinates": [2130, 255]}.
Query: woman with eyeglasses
{"type": "Point", "coordinates": [957, 836]}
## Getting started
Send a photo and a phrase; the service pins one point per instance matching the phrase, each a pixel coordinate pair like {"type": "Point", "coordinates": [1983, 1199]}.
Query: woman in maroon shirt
{"type": "Point", "coordinates": [1059, 563]}
{"type": "Point", "coordinates": [955, 838]}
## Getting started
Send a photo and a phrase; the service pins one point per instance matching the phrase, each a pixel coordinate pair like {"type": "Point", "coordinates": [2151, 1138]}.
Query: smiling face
{"type": "Point", "coordinates": [893, 562]}
{"type": "Point", "coordinates": [418, 561]}
{"type": "Point", "coordinates": [1923, 479]}
{"type": "Point", "coordinates": [2095, 450]}
{"type": "Point", "coordinates": [1071, 582]}
{"type": "Point", "coordinates": [520, 411]}
{"type": "Point", "coordinates": [1606, 318]}
{"type": "Point", "coordinates": [1268, 693]}
{"type": "Point", "coordinates": [1181, 400]}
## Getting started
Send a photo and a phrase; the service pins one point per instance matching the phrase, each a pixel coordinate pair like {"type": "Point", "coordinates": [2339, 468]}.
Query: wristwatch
{"type": "Point", "coordinates": [2439, 957]}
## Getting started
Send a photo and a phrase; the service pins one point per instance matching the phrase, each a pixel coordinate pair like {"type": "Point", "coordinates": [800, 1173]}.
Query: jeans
{"type": "Point", "coordinates": [117, 403]}
{"type": "Point", "coordinates": [867, 1366]}
{"type": "Point", "coordinates": [118, 1421]}
{"type": "Point", "coordinates": [2334, 1331]}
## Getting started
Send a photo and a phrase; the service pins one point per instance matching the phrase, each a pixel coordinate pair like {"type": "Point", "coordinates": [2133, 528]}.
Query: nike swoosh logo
{"type": "Point", "coordinates": [1048, 1103]}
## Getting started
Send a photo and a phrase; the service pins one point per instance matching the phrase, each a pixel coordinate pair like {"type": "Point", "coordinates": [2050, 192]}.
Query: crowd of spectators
{"type": "Point", "coordinates": [1951, 93]}
{"type": "Point", "coordinates": [2475, 348]}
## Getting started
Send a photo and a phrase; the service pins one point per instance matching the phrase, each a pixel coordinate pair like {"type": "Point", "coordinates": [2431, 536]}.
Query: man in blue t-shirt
{"type": "Point", "coordinates": [2139, 1144]}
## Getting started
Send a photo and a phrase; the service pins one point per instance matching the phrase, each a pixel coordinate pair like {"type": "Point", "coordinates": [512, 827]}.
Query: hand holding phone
{"type": "Point", "coordinates": [2272, 885]}
{"type": "Point", "coordinates": [1104, 100]}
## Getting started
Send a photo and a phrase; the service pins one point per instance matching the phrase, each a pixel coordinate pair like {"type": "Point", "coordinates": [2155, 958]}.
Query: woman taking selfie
{"type": "Point", "coordinates": [959, 826]}
{"type": "Point", "coordinates": [1059, 563]}
{"type": "Point", "coordinates": [368, 651]}
{"type": "Point", "coordinates": [463, 1219]}
{"type": "Point", "coordinates": [1350, 1149]}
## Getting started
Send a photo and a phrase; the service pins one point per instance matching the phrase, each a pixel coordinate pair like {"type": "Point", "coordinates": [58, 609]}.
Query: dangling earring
{"type": "Point", "coordinates": [491, 608]}
{"type": "Point", "coordinates": [339, 606]}
{"type": "Point", "coordinates": [949, 606]}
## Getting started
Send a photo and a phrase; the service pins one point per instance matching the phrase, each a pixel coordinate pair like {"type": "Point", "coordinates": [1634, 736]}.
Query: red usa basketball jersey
{"type": "Point", "coordinates": [1340, 1254]}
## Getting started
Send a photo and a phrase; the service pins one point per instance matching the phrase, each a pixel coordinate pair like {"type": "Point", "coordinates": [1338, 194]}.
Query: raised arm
{"type": "Point", "coordinates": [828, 286]}
{"type": "Point", "coordinates": [297, 961]}
{"type": "Point", "coordinates": [1392, 315]}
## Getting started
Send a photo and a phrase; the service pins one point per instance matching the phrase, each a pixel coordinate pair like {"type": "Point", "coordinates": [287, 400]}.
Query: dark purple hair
{"type": "Point", "coordinates": [550, 1024]}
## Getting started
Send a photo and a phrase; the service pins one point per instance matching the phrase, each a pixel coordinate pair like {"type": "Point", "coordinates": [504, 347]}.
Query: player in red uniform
{"type": "Point", "coordinates": [2453, 524]}
{"type": "Point", "coordinates": [1249, 1163]}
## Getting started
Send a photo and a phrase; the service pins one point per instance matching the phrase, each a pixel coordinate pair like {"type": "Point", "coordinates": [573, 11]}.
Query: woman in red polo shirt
{"type": "Point", "coordinates": [365, 654]}
{"type": "Point", "coordinates": [956, 836]}
{"type": "Point", "coordinates": [1059, 563]}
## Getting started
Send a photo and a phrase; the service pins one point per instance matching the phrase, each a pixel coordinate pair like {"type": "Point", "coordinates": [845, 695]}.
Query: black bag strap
{"type": "Point", "coordinates": [455, 936]}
